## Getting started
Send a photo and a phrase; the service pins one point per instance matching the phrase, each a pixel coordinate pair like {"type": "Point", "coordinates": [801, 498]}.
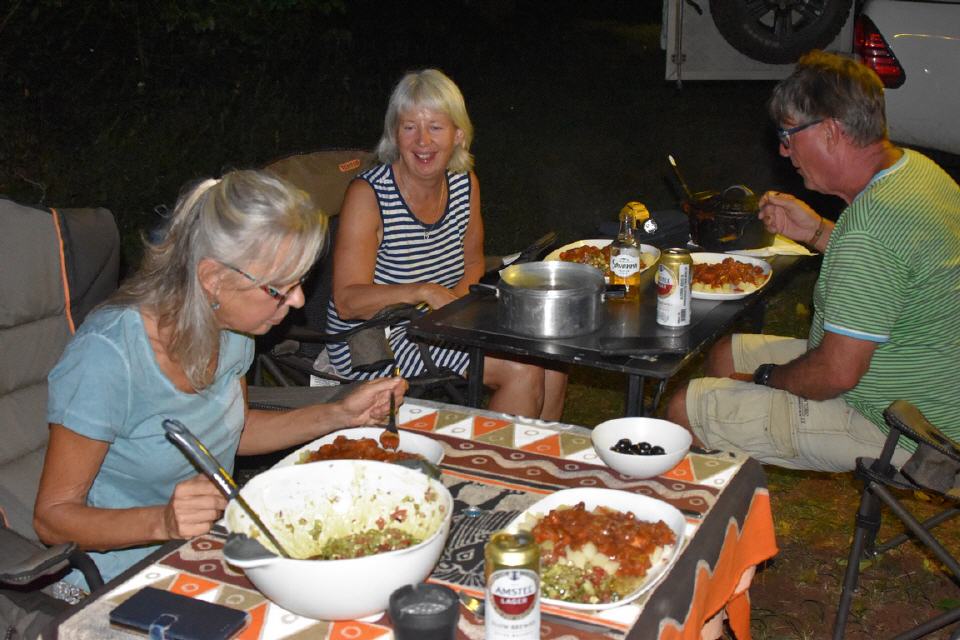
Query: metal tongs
{"type": "Point", "coordinates": [194, 450]}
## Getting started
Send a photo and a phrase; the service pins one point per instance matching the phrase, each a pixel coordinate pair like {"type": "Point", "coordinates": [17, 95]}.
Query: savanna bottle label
{"type": "Point", "coordinates": [625, 264]}
{"type": "Point", "coordinates": [513, 605]}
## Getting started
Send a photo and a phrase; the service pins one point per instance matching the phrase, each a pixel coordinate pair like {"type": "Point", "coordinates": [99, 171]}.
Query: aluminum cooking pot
{"type": "Point", "coordinates": [551, 299]}
{"type": "Point", "coordinates": [727, 220]}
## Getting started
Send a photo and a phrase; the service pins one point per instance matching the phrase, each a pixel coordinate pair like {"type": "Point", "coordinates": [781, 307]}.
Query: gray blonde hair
{"type": "Point", "coordinates": [827, 85]}
{"type": "Point", "coordinates": [245, 217]}
{"type": "Point", "coordinates": [432, 89]}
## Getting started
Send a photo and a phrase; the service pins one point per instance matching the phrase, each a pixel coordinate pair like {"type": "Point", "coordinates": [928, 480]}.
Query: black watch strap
{"type": "Point", "coordinates": [762, 374]}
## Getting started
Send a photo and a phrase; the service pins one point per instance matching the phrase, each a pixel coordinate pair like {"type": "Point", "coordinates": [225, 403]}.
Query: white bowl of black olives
{"type": "Point", "coordinates": [641, 447]}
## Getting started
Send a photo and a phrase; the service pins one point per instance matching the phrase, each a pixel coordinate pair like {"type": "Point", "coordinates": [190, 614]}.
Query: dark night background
{"type": "Point", "coordinates": [119, 103]}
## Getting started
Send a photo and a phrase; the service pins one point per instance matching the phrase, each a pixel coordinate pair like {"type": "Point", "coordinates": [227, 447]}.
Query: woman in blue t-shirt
{"type": "Point", "coordinates": [175, 342]}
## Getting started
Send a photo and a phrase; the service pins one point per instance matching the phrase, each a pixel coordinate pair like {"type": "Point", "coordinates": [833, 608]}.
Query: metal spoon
{"type": "Point", "coordinates": [683, 183]}
{"type": "Point", "coordinates": [194, 450]}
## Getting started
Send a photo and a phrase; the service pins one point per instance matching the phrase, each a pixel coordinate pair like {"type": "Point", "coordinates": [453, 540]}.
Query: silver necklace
{"type": "Point", "coordinates": [429, 228]}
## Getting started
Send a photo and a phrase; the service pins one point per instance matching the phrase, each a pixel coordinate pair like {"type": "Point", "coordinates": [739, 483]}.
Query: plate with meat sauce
{"type": "Point", "coordinates": [596, 253]}
{"type": "Point", "coordinates": [721, 276]}
{"type": "Point", "coordinates": [361, 443]}
{"type": "Point", "coordinates": [601, 548]}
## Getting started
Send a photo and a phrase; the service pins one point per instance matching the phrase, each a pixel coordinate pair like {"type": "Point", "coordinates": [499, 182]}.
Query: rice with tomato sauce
{"type": "Point", "coordinates": [597, 556]}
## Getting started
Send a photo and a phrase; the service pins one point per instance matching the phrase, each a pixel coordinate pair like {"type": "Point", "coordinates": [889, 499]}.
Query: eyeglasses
{"type": "Point", "coordinates": [784, 134]}
{"type": "Point", "coordinates": [273, 292]}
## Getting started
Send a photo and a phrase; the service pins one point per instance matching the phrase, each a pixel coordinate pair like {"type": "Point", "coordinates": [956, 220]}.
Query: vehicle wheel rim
{"type": "Point", "coordinates": [783, 18]}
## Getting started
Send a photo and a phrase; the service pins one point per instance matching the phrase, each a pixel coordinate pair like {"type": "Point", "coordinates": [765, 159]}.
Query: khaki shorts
{"type": "Point", "coordinates": [777, 427]}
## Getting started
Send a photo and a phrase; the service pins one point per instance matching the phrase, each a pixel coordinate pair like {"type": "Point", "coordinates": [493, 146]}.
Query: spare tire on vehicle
{"type": "Point", "coordinates": [779, 31]}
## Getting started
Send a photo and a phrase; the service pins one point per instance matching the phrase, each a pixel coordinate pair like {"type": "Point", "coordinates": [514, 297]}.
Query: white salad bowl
{"type": "Point", "coordinates": [306, 505]}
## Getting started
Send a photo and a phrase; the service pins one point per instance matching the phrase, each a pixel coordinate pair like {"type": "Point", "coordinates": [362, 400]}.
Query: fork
{"type": "Point", "coordinates": [390, 437]}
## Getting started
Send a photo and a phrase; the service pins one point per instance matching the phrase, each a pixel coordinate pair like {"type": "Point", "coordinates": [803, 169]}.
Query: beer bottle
{"type": "Point", "coordinates": [625, 258]}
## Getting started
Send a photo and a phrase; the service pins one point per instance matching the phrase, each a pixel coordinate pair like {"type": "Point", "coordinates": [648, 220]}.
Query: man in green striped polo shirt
{"type": "Point", "coordinates": [886, 324]}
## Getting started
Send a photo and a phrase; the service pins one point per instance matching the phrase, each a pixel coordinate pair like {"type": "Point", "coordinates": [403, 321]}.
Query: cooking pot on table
{"type": "Point", "coordinates": [548, 299]}
{"type": "Point", "coordinates": [726, 220]}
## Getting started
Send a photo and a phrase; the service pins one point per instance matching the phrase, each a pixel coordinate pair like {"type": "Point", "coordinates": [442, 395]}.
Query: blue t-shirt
{"type": "Point", "coordinates": [107, 386]}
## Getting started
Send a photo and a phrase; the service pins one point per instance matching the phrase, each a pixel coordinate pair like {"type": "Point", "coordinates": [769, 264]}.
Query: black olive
{"type": "Point", "coordinates": [643, 448]}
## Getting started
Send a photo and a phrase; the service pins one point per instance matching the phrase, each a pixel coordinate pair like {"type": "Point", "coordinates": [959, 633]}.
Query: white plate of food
{"type": "Point", "coordinates": [596, 253]}
{"type": "Point", "coordinates": [569, 577]}
{"type": "Point", "coordinates": [723, 276]}
{"type": "Point", "coordinates": [410, 443]}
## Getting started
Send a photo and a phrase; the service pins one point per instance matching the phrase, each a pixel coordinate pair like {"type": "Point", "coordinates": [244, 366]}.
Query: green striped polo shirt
{"type": "Point", "coordinates": [891, 275]}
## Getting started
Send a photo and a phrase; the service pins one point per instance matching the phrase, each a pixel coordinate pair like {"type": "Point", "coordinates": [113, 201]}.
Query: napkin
{"type": "Point", "coordinates": [782, 246]}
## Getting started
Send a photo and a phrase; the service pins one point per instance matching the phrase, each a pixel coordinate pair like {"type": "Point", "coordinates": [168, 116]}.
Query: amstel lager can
{"type": "Point", "coordinates": [512, 569]}
{"type": "Point", "coordinates": [674, 277]}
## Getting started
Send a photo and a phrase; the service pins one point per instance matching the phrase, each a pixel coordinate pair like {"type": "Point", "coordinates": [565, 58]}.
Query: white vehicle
{"type": "Point", "coordinates": [915, 49]}
{"type": "Point", "coordinates": [914, 45]}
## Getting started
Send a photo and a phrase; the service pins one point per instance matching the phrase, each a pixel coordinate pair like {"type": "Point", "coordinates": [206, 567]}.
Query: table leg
{"type": "Point", "coordinates": [634, 403]}
{"type": "Point", "coordinates": [475, 377]}
{"type": "Point", "coordinates": [657, 396]}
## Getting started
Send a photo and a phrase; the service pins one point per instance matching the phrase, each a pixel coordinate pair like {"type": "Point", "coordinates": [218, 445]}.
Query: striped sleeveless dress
{"type": "Point", "coordinates": [411, 252]}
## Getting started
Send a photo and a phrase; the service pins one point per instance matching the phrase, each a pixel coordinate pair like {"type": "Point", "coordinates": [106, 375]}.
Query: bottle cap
{"type": "Point", "coordinates": [635, 209]}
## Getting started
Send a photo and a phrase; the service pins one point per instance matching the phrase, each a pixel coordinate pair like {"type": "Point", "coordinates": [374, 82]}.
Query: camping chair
{"type": "Point", "coordinates": [294, 355]}
{"type": "Point", "coordinates": [55, 266]}
{"type": "Point", "coordinates": [933, 468]}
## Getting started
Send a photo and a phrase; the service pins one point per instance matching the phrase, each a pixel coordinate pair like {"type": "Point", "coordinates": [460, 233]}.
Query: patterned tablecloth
{"type": "Point", "coordinates": [503, 464]}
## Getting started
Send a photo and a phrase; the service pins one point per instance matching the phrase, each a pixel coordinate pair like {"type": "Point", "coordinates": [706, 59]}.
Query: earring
{"type": "Point", "coordinates": [215, 305]}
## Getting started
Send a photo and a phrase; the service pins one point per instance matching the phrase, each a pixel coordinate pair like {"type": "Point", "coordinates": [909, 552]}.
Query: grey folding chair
{"type": "Point", "coordinates": [54, 267]}
{"type": "Point", "coordinates": [934, 469]}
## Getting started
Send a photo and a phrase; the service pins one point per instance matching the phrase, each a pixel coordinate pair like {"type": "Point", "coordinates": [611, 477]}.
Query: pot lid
{"type": "Point", "coordinates": [737, 198]}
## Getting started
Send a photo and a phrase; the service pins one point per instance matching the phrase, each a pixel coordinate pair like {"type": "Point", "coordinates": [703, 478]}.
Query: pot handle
{"type": "Point", "coordinates": [739, 187]}
{"type": "Point", "coordinates": [245, 552]}
{"type": "Point", "coordinates": [481, 289]}
{"type": "Point", "coordinates": [613, 291]}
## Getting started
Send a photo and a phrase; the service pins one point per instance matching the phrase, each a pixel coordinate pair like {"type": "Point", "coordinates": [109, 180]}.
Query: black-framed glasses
{"type": "Point", "coordinates": [784, 134]}
{"type": "Point", "coordinates": [280, 296]}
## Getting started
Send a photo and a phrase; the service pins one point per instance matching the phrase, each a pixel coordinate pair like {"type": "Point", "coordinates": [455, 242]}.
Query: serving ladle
{"type": "Point", "coordinates": [197, 453]}
{"type": "Point", "coordinates": [683, 183]}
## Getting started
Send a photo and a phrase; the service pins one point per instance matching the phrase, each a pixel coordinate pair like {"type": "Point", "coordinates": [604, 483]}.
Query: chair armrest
{"type": "Point", "coordinates": [936, 462]}
{"type": "Point", "coordinates": [389, 315]}
{"type": "Point", "coordinates": [907, 419]}
{"type": "Point", "coordinates": [22, 561]}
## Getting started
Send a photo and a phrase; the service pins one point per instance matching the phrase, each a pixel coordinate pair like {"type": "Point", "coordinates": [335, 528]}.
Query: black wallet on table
{"type": "Point", "coordinates": [171, 616]}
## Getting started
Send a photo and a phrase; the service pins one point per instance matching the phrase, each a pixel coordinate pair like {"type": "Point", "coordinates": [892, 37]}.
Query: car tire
{"type": "Point", "coordinates": [779, 32]}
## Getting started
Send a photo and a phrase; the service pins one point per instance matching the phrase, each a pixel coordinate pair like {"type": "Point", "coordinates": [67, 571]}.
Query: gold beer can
{"type": "Point", "coordinates": [512, 570]}
{"type": "Point", "coordinates": [673, 280]}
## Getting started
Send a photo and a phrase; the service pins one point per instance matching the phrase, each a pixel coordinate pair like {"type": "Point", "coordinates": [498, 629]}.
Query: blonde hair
{"type": "Point", "coordinates": [243, 218]}
{"type": "Point", "coordinates": [432, 89]}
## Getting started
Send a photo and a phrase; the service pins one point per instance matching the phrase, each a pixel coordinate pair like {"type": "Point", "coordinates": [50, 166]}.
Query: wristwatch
{"type": "Point", "coordinates": [762, 375]}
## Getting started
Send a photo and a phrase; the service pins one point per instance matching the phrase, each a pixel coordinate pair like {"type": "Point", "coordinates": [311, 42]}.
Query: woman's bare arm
{"type": "Point", "coordinates": [61, 513]}
{"type": "Point", "coordinates": [355, 255]}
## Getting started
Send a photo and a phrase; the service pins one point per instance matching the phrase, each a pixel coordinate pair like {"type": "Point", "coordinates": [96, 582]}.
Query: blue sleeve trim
{"type": "Point", "coordinates": [859, 335]}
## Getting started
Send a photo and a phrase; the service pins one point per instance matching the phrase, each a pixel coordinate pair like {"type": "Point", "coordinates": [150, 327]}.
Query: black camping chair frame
{"type": "Point", "coordinates": [288, 364]}
{"type": "Point", "coordinates": [880, 478]}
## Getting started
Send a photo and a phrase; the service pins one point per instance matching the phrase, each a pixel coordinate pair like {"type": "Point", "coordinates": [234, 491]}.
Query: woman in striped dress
{"type": "Point", "coordinates": [411, 232]}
